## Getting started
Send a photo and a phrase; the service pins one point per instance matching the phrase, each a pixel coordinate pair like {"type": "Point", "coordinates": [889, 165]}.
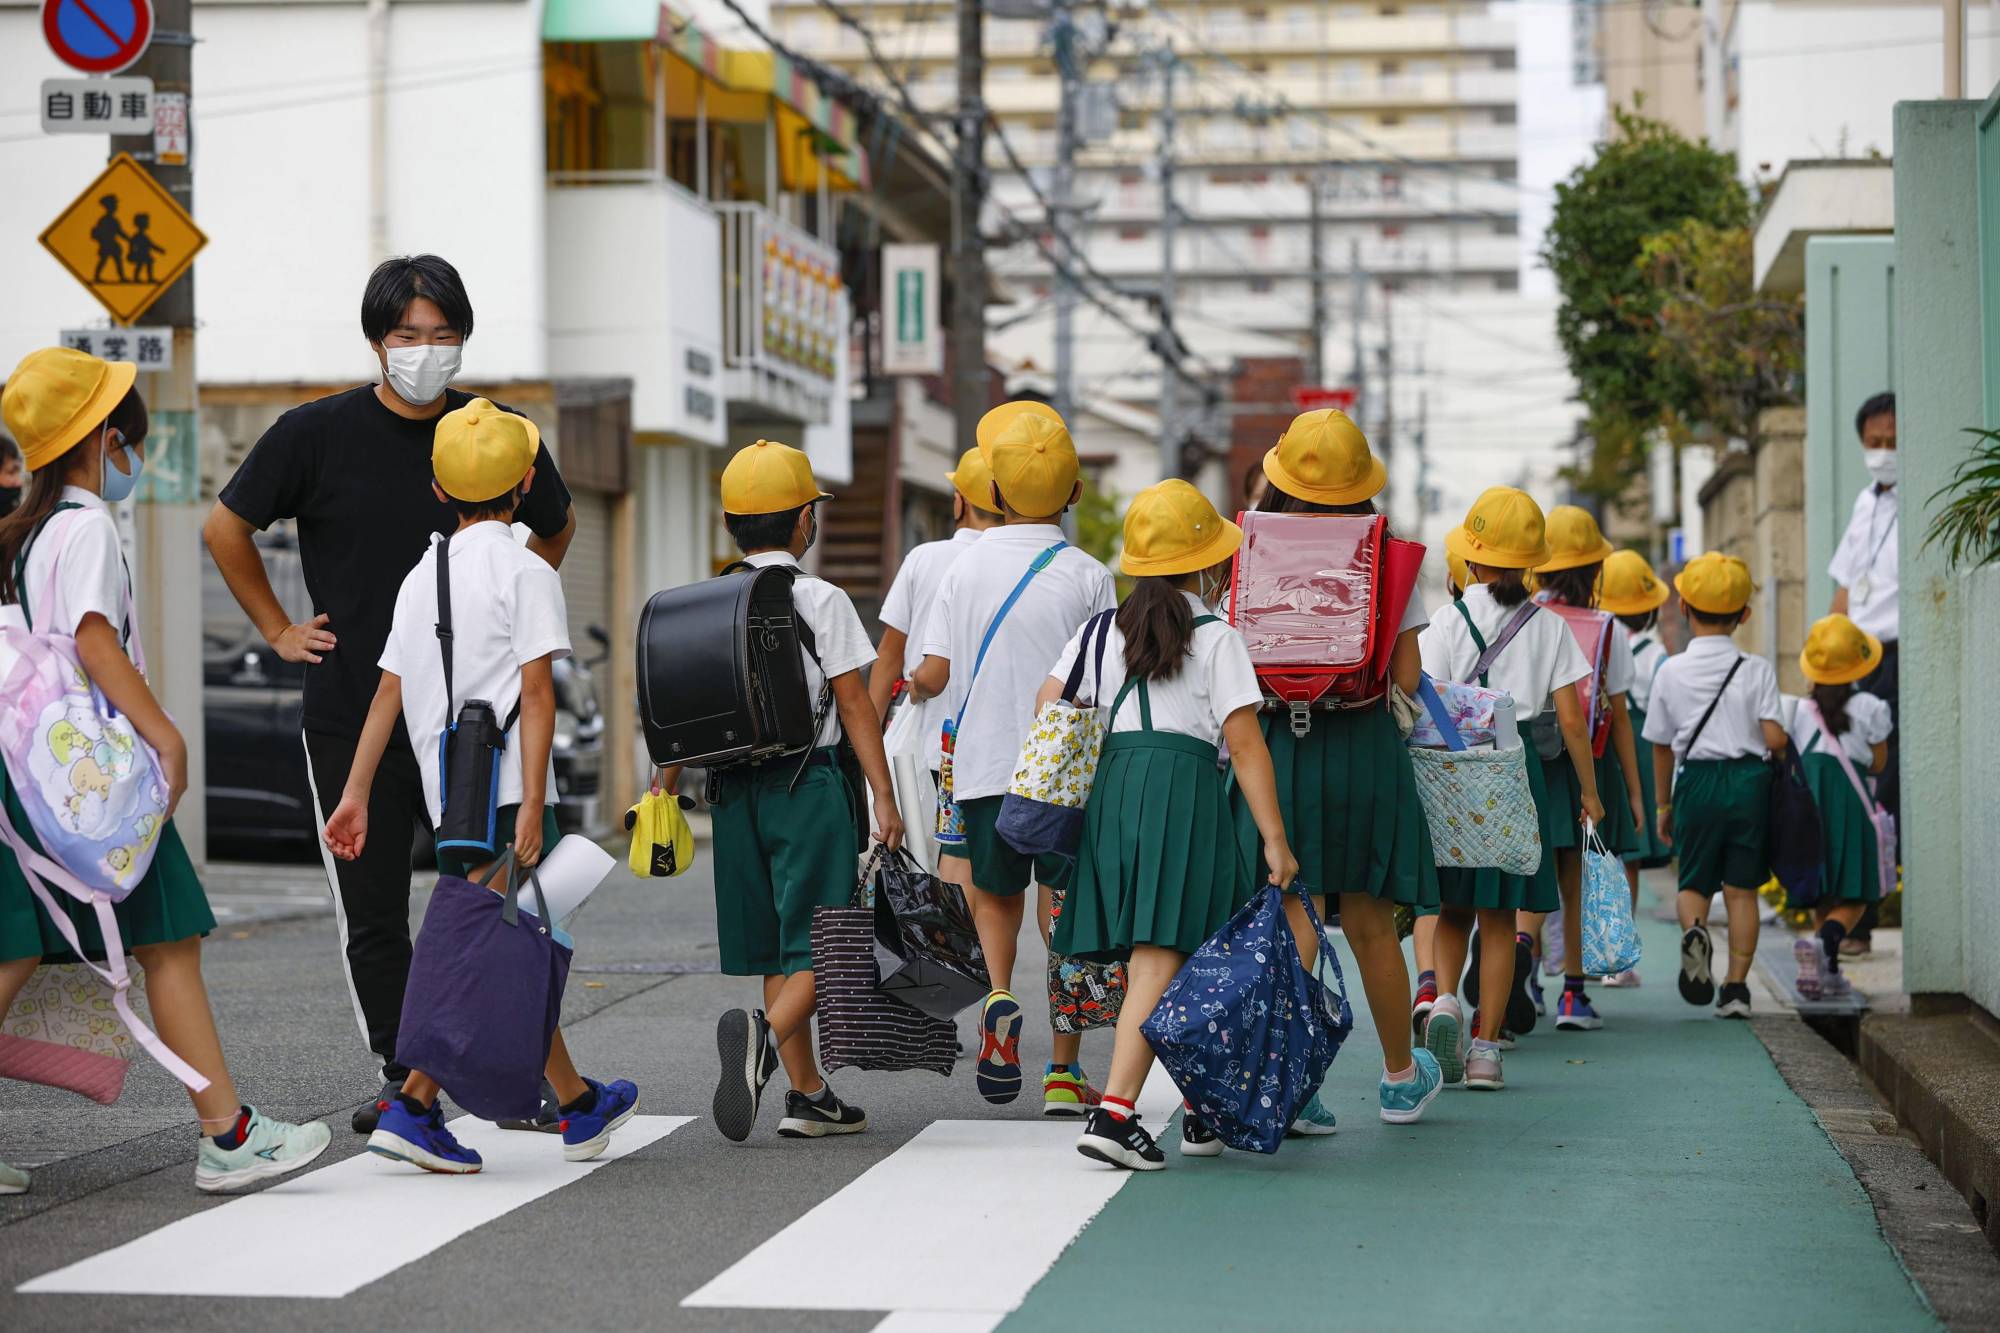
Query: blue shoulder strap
{"type": "Point", "coordinates": [1428, 696]}
{"type": "Point", "coordinates": [1041, 562]}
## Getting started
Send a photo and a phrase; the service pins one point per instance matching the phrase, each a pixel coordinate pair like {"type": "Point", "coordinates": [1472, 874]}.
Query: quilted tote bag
{"type": "Point", "coordinates": [1610, 936]}
{"type": "Point", "coordinates": [64, 1032]}
{"type": "Point", "coordinates": [1245, 1031]}
{"type": "Point", "coordinates": [1082, 994]}
{"type": "Point", "coordinates": [1479, 804]}
{"type": "Point", "coordinates": [1042, 813]}
{"type": "Point", "coordinates": [861, 1026]}
{"type": "Point", "coordinates": [484, 995]}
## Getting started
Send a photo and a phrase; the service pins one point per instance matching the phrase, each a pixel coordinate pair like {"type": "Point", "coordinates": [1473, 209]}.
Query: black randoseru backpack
{"type": "Point", "coordinates": [1797, 855]}
{"type": "Point", "coordinates": [721, 681]}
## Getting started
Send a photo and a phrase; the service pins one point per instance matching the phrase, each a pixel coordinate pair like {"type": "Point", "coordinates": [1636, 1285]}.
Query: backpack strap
{"type": "Point", "coordinates": [1040, 563]}
{"type": "Point", "coordinates": [21, 561]}
{"type": "Point", "coordinates": [1840, 753]}
{"type": "Point", "coordinates": [1487, 655]}
{"type": "Point", "coordinates": [1100, 625]}
{"type": "Point", "coordinates": [445, 636]}
{"type": "Point", "coordinates": [1695, 735]}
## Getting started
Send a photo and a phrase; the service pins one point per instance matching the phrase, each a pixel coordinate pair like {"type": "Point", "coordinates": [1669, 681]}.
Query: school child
{"type": "Point", "coordinates": [1346, 788]}
{"type": "Point", "coordinates": [1003, 612]}
{"type": "Point", "coordinates": [508, 624]}
{"type": "Point", "coordinates": [1160, 869]}
{"type": "Point", "coordinates": [1577, 550]}
{"type": "Point", "coordinates": [1837, 654]}
{"type": "Point", "coordinates": [1634, 593]}
{"type": "Point", "coordinates": [1423, 932]}
{"type": "Point", "coordinates": [1714, 712]}
{"type": "Point", "coordinates": [82, 431]}
{"type": "Point", "coordinates": [785, 838]}
{"type": "Point", "coordinates": [1503, 536]}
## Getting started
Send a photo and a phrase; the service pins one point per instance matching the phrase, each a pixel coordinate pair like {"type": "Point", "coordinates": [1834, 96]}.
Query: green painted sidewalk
{"type": "Point", "coordinates": [1656, 1174]}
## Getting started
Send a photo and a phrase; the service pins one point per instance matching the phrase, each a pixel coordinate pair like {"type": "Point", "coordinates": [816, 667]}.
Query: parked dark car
{"type": "Point", "coordinates": [259, 799]}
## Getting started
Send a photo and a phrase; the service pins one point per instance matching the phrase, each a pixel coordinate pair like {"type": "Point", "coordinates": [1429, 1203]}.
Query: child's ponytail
{"type": "Point", "coordinates": [1157, 622]}
{"type": "Point", "coordinates": [1831, 700]}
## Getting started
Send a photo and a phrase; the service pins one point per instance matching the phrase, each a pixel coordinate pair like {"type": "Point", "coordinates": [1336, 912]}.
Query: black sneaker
{"type": "Point", "coordinates": [548, 1120]}
{"type": "Point", "coordinates": [1120, 1143]}
{"type": "Point", "coordinates": [1197, 1139]}
{"type": "Point", "coordinates": [1734, 1001]}
{"type": "Point", "coordinates": [1697, 966]}
{"type": "Point", "coordinates": [743, 1041]}
{"type": "Point", "coordinates": [1521, 1011]}
{"type": "Point", "coordinates": [807, 1119]}
{"type": "Point", "coordinates": [369, 1112]}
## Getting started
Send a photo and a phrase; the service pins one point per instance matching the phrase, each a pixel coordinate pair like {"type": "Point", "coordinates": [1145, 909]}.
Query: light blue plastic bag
{"type": "Point", "coordinates": [1610, 936]}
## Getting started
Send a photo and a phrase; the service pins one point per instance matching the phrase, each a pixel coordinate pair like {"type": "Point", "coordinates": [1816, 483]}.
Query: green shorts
{"type": "Point", "coordinates": [781, 850]}
{"type": "Point", "coordinates": [1721, 824]}
{"type": "Point", "coordinates": [450, 863]}
{"type": "Point", "coordinates": [996, 867]}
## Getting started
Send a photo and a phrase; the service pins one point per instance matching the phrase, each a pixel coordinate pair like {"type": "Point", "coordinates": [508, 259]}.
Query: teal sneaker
{"type": "Point", "coordinates": [1314, 1120]}
{"type": "Point", "coordinates": [1404, 1103]}
{"type": "Point", "coordinates": [269, 1148]}
{"type": "Point", "coordinates": [13, 1180]}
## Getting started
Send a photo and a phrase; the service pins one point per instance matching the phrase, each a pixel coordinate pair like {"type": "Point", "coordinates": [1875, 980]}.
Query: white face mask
{"type": "Point", "coordinates": [420, 374]}
{"type": "Point", "coordinates": [1881, 465]}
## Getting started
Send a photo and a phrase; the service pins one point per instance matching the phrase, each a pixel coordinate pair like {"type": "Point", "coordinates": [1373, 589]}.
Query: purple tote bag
{"type": "Point", "coordinates": [484, 995]}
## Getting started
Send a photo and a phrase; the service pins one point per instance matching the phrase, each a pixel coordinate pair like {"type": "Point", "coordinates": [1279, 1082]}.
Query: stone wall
{"type": "Point", "coordinates": [1753, 507]}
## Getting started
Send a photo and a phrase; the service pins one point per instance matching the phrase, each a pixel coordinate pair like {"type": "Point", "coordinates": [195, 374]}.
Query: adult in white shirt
{"type": "Point", "coordinates": [1864, 567]}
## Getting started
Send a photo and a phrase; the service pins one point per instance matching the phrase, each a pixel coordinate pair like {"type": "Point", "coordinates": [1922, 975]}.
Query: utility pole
{"type": "Point", "coordinates": [1360, 313]}
{"type": "Point", "coordinates": [167, 514]}
{"type": "Point", "coordinates": [968, 194]}
{"type": "Point", "coordinates": [1063, 42]}
{"type": "Point", "coordinates": [1386, 444]}
{"type": "Point", "coordinates": [1422, 441]}
{"type": "Point", "coordinates": [1317, 242]}
{"type": "Point", "coordinates": [1170, 343]}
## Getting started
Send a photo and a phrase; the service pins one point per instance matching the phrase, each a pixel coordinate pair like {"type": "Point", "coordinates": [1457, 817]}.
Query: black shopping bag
{"type": "Point", "coordinates": [861, 1026]}
{"type": "Point", "coordinates": [926, 946]}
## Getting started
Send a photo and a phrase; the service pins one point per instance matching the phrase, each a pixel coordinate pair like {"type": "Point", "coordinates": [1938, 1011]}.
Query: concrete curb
{"type": "Point", "coordinates": [1941, 1074]}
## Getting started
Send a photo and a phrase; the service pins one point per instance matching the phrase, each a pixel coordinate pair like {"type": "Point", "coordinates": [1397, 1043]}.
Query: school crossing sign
{"type": "Point", "coordinates": [125, 238]}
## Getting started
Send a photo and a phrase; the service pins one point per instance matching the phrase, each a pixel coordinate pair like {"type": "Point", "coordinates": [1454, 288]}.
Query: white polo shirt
{"type": "Point", "coordinates": [1647, 655]}
{"type": "Point", "coordinates": [1865, 562]}
{"type": "Point", "coordinates": [1070, 590]}
{"type": "Point", "coordinates": [838, 636]}
{"type": "Point", "coordinates": [1214, 681]}
{"type": "Point", "coordinates": [1868, 725]}
{"type": "Point", "coordinates": [1541, 659]}
{"type": "Point", "coordinates": [906, 608]}
{"type": "Point", "coordinates": [89, 577]}
{"type": "Point", "coordinates": [1686, 684]}
{"type": "Point", "coordinates": [506, 611]}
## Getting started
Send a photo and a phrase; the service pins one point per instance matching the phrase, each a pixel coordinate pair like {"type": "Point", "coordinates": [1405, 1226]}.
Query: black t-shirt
{"type": "Point", "coordinates": [357, 478]}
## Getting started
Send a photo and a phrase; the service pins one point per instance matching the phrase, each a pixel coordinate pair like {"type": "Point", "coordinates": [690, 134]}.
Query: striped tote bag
{"type": "Point", "coordinates": [862, 1026]}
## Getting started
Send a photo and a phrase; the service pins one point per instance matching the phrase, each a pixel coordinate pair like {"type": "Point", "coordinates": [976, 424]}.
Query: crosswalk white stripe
{"type": "Point", "coordinates": [1018, 1195]}
{"type": "Point", "coordinates": [333, 1231]}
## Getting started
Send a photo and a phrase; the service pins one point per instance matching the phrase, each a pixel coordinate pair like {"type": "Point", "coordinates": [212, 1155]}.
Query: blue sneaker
{"type": "Point", "coordinates": [1404, 1103]}
{"type": "Point", "coordinates": [1535, 989]}
{"type": "Point", "coordinates": [421, 1140]}
{"type": "Point", "coordinates": [586, 1134]}
{"type": "Point", "coordinates": [1314, 1120]}
{"type": "Point", "coordinates": [998, 1073]}
{"type": "Point", "coordinates": [1574, 1013]}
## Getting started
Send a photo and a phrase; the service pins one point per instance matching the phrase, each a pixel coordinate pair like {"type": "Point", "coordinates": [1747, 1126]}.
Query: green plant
{"type": "Point", "coordinates": [1100, 527]}
{"type": "Point", "coordinates": [1968, 525]}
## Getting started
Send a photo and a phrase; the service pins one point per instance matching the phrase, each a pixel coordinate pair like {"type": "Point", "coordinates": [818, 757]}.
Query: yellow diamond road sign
{"type": "Point", "coordinates": [125, 238]}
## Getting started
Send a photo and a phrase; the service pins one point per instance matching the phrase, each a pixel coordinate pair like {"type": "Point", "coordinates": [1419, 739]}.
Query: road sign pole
{"type": "Point", "coordinates": [169, 515]}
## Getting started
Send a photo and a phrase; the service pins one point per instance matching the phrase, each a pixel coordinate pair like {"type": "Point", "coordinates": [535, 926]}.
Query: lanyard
{"type": "Point", "coordinates": [1876, 546]}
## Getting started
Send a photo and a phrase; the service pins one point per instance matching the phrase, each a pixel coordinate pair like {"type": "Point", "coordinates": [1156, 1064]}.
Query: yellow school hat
{"type": "Point", "coordinates": [1171, 528]}
{"type": "Point", "coordinates": [1838, 652]}
{"type": "Point", "coordinates": [1034, 463]}
{"type": "Point", "coordinates": [1504, 529]}
{"type": "Point", "coordinates": [482, 451]}
{"type": "Point", "coordinates": [1461, 577]}
{"type": "Point", "coordinates": [1716, 584]}
{"type": "Point", "coordinates": [57, 396]}
{"type": "Point", "coordinates": [1628, 586]}
{"type": "Point", "coordinates": [996, 420]}
{"type": "Point", "coordinates": [662, 842]}
{"type": "Point", "coordinates": [1323, 457]}
{"type": "Point", "coordinates": [1574, 540]}
{"type": "Point", "coordinates": [973, 480]}
{"type": "Point", "coordinates": [768, 478]}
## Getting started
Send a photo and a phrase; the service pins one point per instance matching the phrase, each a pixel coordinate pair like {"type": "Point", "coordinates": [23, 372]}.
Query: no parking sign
{"type": "Point", "coordinates": [98, 36]}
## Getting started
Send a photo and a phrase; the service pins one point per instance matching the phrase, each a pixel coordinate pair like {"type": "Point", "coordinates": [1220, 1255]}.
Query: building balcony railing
{"type": "Point", "coordinates": [783, 315]}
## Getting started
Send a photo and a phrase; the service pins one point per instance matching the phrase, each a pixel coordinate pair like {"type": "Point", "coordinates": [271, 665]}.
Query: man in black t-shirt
{"type": "Point", "coordinates": [354, 472]}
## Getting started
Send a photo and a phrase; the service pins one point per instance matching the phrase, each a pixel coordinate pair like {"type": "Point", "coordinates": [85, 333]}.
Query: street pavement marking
{"type": "Point", "coordinates": [330, 1232]}
{"type": "Point", "coordinates": [1019, 1195]}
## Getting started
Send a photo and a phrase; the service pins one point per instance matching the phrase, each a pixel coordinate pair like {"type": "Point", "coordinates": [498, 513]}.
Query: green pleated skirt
{"type": "Point", "coordinates": [1159, 863]}
{"type": "Point", "coordinates": [1853, 872]}
{"type": "Point", "coordinates": [169, 903]}
{"type": "Point", "coordinates": [1349, 799]}
{"type": "Point", "coordinates": [1488, 887]}
{"type": "Point", "coordinates": [1650, 850]}
{"type": "Point", "coordinates": [1616, 832]}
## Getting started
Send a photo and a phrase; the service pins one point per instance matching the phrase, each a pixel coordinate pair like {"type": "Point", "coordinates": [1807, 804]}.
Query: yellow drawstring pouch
{"type": "Point", "coordinates": [662, 842]}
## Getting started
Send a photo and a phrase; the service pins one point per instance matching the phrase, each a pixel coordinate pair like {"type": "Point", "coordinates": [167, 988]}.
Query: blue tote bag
{"type": "Point", "coordinates": [1245, 1031]}
{"type": "Point", "coordinates": [484, 995]}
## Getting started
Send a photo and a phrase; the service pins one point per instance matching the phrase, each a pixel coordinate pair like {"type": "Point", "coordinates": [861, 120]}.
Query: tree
{"type": "Point", "coordinates": [1647, 179]}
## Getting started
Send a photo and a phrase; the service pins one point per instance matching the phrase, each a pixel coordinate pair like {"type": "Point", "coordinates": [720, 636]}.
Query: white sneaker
{"type": "Point", "coordinates": [13, 1180]}
{"type": "Point", "coordinates": [269, 1148]}
{"type": "Point", "coordinates": [1444, 1037]}
{"type": "Point", "coordinates": [1482, 1068]}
